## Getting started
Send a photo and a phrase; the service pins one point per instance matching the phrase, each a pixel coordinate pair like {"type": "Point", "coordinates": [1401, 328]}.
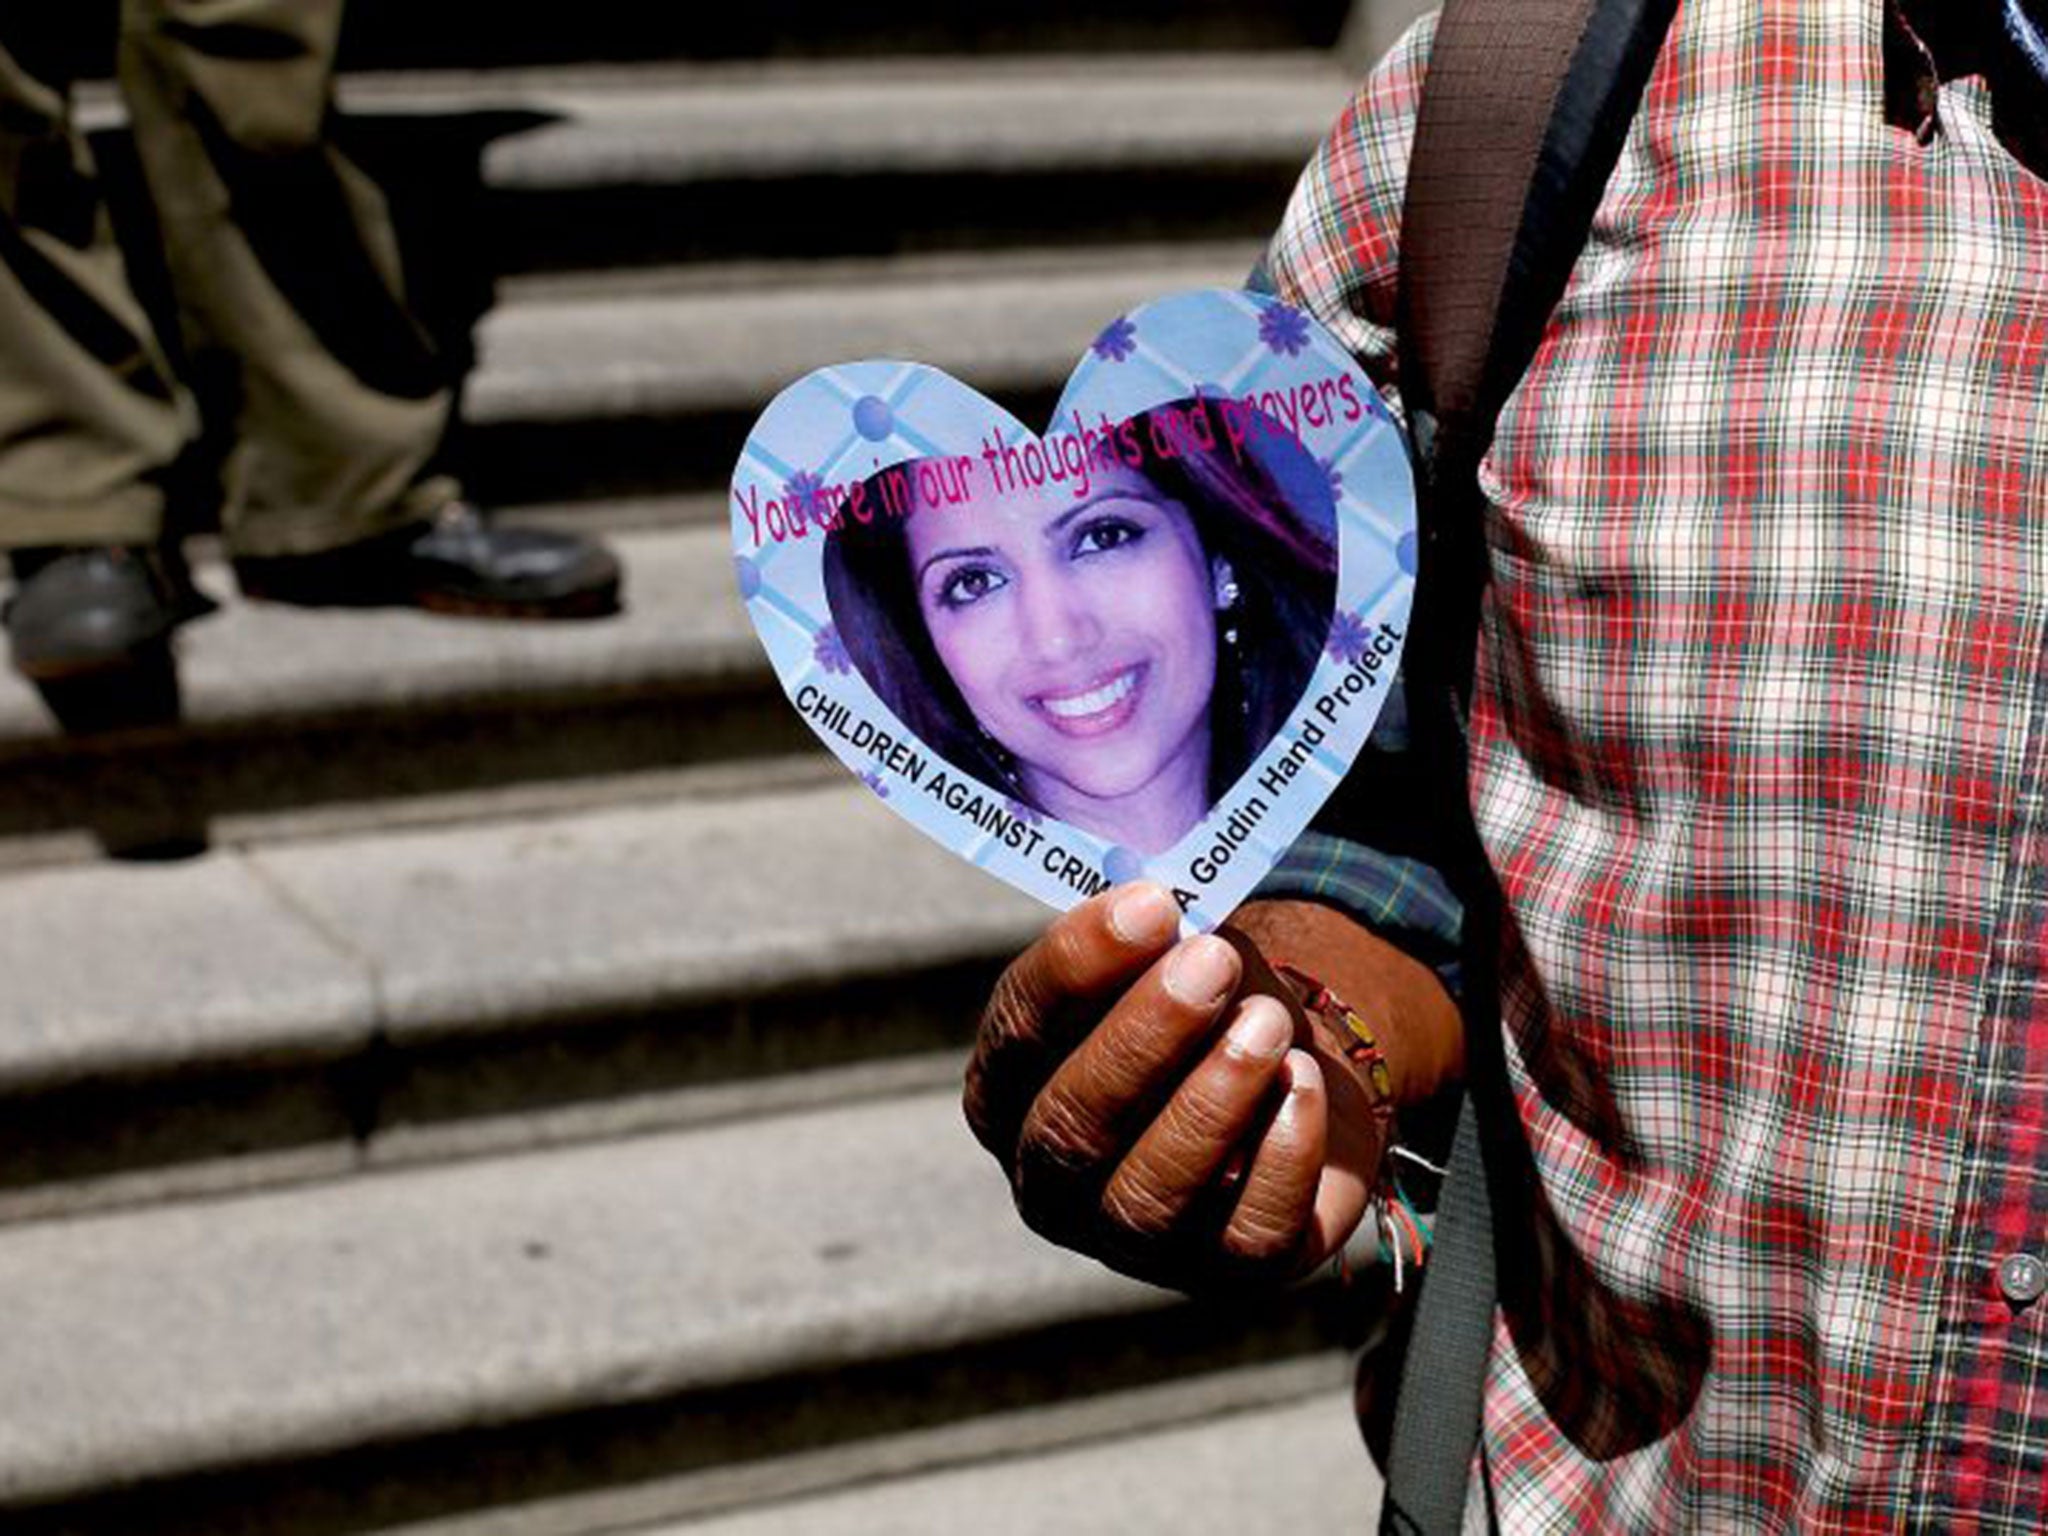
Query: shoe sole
{"type": "Point", "coordinates": [144, 654]}
{"type": "Point", "coordinates": [593, 603]}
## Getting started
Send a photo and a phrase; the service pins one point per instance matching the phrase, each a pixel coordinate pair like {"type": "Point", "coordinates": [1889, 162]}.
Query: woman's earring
{"type": "Point", "coordinates": [1226, 588]}
{"type": "Point", "coordinates": [1229, 611]}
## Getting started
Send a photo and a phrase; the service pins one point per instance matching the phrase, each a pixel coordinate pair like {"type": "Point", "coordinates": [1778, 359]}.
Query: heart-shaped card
{"type": "Point", "coordinates": [1146, 643]}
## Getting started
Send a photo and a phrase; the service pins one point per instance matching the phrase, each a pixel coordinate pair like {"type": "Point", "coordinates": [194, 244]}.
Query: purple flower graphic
{"type": "Point", "coordinates": [829, 651]}
{"type": "Point", "coordinates": [1023, 812]}
{"type": "Point", "coordinates": [1348, 638]}
{"type": "Point", "coordinates": [1283, 329]}
{"type": "Point", "coordinates": [1119, 339]}
{"type": "Point", "coordinates": [800, 495]}
{"type": "Point", "coordinates": [873, 780]}
{"type": "Point", "coordinates": [1334, 475]}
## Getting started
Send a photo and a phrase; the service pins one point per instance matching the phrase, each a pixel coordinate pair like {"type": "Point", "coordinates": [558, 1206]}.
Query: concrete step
{"type": "Point", "coordinates": [1006, 324]}
{"type": "Point", "coordinates": [597, 392]}
{"type": "Point", "coordinates": [476, 34]}
{"type": "Point", "coordinates": [1296, 1466]}
{"type": "Point", "coordinates": [376, 1354]}
{"type": "Point", "coordinates": [674, 124]}
{"type": "Point", "coordinates": [298, 720]}
{"type": "Point", "coordinates": [594, 170]}
{"type": "Point", "coordinates": [387, 33]}
{"type": "Point", "coordinates": [309, 1008]}
{"type": "Point", "coordinates": [501, 172]}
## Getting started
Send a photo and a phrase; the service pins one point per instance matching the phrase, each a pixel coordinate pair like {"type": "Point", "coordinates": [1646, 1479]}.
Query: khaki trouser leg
{"type": "Point", "coordinates": [89, 420]}
{"type": "Point", "coordinates": [286, 273]}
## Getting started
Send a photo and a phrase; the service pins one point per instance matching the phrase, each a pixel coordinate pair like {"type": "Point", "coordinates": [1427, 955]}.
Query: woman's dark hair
{"type": "Point", "coordinates": [1264, 505]}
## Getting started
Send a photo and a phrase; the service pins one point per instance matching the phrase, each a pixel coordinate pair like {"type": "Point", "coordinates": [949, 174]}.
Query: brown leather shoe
{"type": "Point", "coordinates": [458, 563]}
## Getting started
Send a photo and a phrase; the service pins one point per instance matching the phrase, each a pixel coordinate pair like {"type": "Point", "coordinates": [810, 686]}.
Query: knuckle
{"type": "Point", "coordinates": [1059, 1139]}
{"type": "Point", "coordinates": [1160, 1181]}
{"type": "Point", "coordinates": [1008, 1062]}
{"type": "Point", "coordinates": [1013, 1006]}
{"type": "Point", "coordinates": [1127, 1054]}
{"type": "Point", "coordinates": [1205, 1113]}
{"type": "Point", "coordinates": [1065, 952]}
{"type": "Point", "coordinates": [999, 1079]}
{"type": "Point", "coordinates": [1261, 1231]}
{"type": "Point", "coordinates": [1140, 1206]}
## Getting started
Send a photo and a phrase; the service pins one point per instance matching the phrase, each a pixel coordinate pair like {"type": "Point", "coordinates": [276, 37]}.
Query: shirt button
{"type": "Point", "coordinates": [2022, 1278]}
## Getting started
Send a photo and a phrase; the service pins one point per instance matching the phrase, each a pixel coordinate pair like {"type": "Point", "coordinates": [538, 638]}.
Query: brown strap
{"type": "Point", "coordinates": [1522, 119]}
{"type": "Point", "coordinates": [1495, 71]}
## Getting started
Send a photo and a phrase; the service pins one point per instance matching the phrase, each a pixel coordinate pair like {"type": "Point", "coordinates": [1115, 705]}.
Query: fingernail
{"type": "Point", "coordinates": [1143, 914]}
{"type": "Point", "coordinates": [1262, 1031]}
{"type": "Point", "coordinates": [1289, 1112]}
{"type": "Point", "coordinates": [1201, 971]}
{"type": "Point", "coordinates": [1304, 1079]}
{"type": "Point", "coordinates": [1304, 1075]}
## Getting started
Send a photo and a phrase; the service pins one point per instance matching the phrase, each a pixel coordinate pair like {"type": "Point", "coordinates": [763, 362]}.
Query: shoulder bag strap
{"type": "Point", "coordinates": [1523, 116]}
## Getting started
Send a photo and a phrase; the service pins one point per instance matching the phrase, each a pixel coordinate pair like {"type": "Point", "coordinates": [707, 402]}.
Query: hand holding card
{"type": "Point", "coordinates": [1146, 643]}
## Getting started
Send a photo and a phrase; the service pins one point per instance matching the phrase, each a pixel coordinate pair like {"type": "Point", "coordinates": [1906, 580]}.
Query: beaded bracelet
{"type": "Point", "coordinates": [1390, 1224]}
{"type": "Point", "coordinates": [1354, 1036]}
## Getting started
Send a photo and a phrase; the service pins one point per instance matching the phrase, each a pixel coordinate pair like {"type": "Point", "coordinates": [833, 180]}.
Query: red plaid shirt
{"type": "Point", "coordinates": [1757, 751]}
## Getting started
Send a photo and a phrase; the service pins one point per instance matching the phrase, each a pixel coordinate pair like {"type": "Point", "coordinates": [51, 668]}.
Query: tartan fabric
{"type": "Point", "coordinates": [1757, 755]}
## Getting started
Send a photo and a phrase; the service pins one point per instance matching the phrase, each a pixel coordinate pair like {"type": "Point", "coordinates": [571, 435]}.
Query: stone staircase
{"type": "Point", "coordinates": [535, 1109]}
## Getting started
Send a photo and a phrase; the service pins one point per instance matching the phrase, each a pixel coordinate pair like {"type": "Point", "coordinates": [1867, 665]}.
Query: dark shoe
{"type": "Point", "coordinates": [459, 563]}
{"type": "Point", "coordinates": [80, 611]}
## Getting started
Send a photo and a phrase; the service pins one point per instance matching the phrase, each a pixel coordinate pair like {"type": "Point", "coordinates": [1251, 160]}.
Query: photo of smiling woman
{"type": "Point", "coordinates": [1111, 648]}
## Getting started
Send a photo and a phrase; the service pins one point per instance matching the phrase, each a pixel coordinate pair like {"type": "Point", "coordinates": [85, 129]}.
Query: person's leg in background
{"type": "Point", "coordinates": [91, 426]}
{"type": "Point", "coordinates": [285, 274]}
{"type": "Point", "coordinates": [295, 320]}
